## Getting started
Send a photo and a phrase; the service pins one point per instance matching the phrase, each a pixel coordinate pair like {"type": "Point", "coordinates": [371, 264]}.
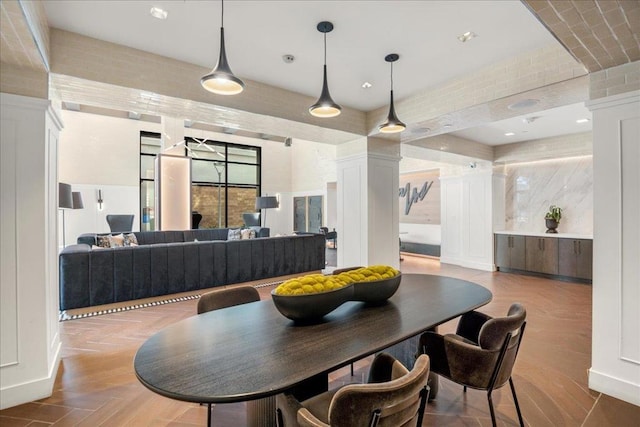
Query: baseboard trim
{"type": "Point", "coordinates": [32, 390]}
{"type": "Point", "coordinates": [615, 387]}
{"type": "Point", "coordinates": [468, 264]}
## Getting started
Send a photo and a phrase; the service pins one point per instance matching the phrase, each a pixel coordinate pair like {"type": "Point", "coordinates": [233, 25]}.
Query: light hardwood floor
{"type": "Point", "coordinates": [96, 385]}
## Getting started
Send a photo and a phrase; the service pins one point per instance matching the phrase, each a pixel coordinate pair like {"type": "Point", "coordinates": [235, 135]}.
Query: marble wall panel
{"type": "Point", "coordinates": [532, 187]}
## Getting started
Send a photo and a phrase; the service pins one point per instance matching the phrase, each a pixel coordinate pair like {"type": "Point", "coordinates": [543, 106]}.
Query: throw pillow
{"type": "Point", "coordinates": [116, 241]}
{"type": "Point", "coordinates": [130, 240]}
{"type": "Point", "coordinates": [248, 233]}
{"type": "Point", "coordinates": [103, 241]}
{"type": "Point", "coordinates": [97, 247]}
{"type": "Point", "coordinates": [234, 234]}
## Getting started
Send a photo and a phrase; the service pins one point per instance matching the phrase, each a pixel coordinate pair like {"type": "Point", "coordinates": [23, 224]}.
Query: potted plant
{"type": "Point", "coordinates": [552, 218]}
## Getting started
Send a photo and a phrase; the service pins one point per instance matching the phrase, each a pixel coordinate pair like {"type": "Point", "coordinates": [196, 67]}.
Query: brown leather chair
{"type": "Point", "coordinates": [481, 353]}
{"type": "Point", "coordinates": [393, 396]}
{"type": "Point", "coordinates": [224, 298]}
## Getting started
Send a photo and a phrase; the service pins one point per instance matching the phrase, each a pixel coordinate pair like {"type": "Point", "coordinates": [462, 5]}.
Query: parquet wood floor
{"type": "Point", "coordinates": [96, 385]}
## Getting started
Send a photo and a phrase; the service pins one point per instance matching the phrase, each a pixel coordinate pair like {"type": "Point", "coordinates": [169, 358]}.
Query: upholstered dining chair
{"type": "Point", "coordinates": [330, 235]}
{"type": "Point", "coordinates": [481, 353]}
{"type": "Point", "coordinates": [392, 396]}
{"type": "Point", "coordinates": [120, 222]}
{"type": "Point", "coordinates": [224, 298]}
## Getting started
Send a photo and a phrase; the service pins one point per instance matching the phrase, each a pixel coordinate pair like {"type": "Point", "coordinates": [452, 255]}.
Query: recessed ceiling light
{"type": "Point", "coordinates": [467, 36]}
{"type": "Point", "coordinates": [509, 134]}
{"type": "Point", "coordinates": [525, 103]}
{"type": "Point", "coordinates": [366, 85]}
{"type": "Point", "coordinates": [582, 121]}
{"type": "Point", "coordinates": [159, 13]}
{"type": "Point", "coordinates": [447, 125]}
{"type": "Point", "coordinates": [288, 58]}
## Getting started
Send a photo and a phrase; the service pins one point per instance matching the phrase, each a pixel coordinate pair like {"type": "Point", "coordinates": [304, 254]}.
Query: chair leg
{"type": "Point", "coordinates": [352, 369]}
{"type": "Point", "coordinates": [464, 389]}
{"type": "Point", "coordinates": [493, 415]}
{"type": "Point", "coordinates": [515, 400]}
{"type": "Point", "coordinates": [279, 420]}
{"type": "Point", "coordinates": [209, 417]}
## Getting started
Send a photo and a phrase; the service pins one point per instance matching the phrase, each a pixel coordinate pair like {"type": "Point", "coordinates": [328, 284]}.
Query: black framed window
{"type": "Point", "coordinates": [225, 180]}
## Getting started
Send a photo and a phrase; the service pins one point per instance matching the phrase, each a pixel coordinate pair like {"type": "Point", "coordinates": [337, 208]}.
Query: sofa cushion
{"type": "Point", "coordinates": [116, 241]}
{"type": "Point", "coordinates": [234, 234]}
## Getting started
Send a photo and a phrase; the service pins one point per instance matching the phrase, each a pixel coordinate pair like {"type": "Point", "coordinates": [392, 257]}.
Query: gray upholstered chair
{"type": "Point", "coordinates": [120, 222]}
{"type": "Point", "coordinates": [224, 298]}
{"type": "Point", "coordinates": [251, 219]}
{"type": "Point", "coordinates": [393, 396]}
{"type": "Point", "coordinates": [481, 353]}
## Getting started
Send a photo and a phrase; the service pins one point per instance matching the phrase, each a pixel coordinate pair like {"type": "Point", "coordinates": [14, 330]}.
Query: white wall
{"type": "Point", "coordinates": [29, 331]}
{"type": "Point", "coordinates": [615, 355]}
{"type": "Point", "coordinates": [467, 217]}
{"type": "Point", "coordinates": [102, 152]}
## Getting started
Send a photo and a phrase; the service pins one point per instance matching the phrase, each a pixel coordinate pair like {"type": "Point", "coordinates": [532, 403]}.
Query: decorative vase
{"type": "Point", "coordinates": [552, 224]}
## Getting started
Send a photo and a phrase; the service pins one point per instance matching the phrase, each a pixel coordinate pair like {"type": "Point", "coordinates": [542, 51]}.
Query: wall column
{"type": "Point", "coordinates": [615, 354]}
{"type": "Point", "coordinates": [367, 199]}
{"type": "Point", "coordinates": [467, 211]}
{"type": "Point", "coordinates": [29, 329]}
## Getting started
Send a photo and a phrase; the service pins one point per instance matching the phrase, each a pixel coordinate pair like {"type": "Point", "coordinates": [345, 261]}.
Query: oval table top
{"type": "Point", "coordinates": [251, 351]}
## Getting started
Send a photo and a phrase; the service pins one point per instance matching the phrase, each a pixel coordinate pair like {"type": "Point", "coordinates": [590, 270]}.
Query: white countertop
{"type": "Point", "coordinates": [543, 234]}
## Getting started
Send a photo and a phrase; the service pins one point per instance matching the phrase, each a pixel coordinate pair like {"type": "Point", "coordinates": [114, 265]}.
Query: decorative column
{"type": "Point", "coordinates": [615, 354]}
{"type": "Point", "coordinates": [367, 200]}
{"type": "Point", "coordinates": [29, 332]}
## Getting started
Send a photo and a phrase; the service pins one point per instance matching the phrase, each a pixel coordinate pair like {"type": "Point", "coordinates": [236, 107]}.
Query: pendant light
{"type": "Point", "coordinates": [221, 79]}
{"type": "Point", "coordinates": [393, 124]}
{"type": "Point", "coordinates": [325, 106]}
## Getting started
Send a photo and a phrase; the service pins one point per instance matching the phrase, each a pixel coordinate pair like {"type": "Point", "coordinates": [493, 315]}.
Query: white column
{"type": "Point", "coordinates": [615, 354]}
{"type": "Point", "coordinates": [467, 217]}
{"type": "Point", "coordinates": [29, 334]}
{"type": "Point", "coordinates": [367, 201]}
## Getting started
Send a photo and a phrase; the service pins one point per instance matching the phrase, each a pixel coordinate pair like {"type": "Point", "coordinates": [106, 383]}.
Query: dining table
{"type": "Point", "coordinates": [251, 352]}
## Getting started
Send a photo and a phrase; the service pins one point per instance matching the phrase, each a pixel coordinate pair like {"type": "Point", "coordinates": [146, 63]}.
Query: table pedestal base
{"type": "Point", "coordinates": [262, 412]}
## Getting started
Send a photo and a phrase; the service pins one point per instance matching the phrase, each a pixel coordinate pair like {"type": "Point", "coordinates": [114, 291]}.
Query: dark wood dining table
{"type": "Point", "coordinates": [250, 352]}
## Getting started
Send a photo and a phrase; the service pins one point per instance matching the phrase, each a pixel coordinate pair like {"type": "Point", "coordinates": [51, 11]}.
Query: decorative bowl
{"type": "Point", "coordinates": [376, 291]}
{"type": "Point", "coordinates": [309, 307]}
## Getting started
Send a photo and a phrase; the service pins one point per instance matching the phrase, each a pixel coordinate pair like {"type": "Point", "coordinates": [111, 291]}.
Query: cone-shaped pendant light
{"type": "Point", "coordinates": [325, 106]}
{"type": "Point", "coordinates": [221, 79]}
{"type": "Point", "coordinates": [393, 124]}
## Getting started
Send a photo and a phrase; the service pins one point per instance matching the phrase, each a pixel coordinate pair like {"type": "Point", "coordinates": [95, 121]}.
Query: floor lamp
{"type": "Point", "coordinates": [65, 201]}
{"type": "Point", "coordinates": [215, 165]}
{"type": "Point", "coordinates": [266, 202]}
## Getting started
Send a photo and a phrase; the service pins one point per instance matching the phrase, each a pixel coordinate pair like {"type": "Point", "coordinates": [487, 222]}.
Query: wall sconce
{"type": "Point", "coordinates": [100, 201]}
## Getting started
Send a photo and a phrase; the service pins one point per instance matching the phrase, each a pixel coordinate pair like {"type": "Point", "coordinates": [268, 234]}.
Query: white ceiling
{"type": "Point", "coordinates": [259, 33]}
{"type": "Point", "coordinates": [542, 124]}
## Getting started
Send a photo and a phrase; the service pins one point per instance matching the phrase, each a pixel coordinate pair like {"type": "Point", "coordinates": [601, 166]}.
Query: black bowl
{"type": "Point", "coordinates": [376, 291]}
{"type": "Point", "coordinates": [308, 307]}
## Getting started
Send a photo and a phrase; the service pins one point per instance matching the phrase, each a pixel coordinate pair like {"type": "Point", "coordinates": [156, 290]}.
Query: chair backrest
{"type": "Point", "coordinates": [504, 334]}
{"type": "Point", "coordinates": [196, 217]}
{"type": "Point", "coordinates": [120, 222]}
{"type": "Point", "coordinates": [251, 218]}
{"type": "Point", "coordinates": [399, 402]}
{"type": "Point", "coordinates": [224, 298]}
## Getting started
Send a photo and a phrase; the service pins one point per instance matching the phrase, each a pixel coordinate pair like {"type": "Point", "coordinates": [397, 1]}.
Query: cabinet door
{"type": "Point", "coordinates": [549, 255]}
{"type": "Point", "coordinates": [502, 250]}
{"type": "Point", "coordinates": [542, 254]}
{"type": "Point", "coordinates": [568, 257]}
{"type": "Point", "coordinates": [575, 258]}
{"type": "Point", "coordinates": [518, 260]}
{"type": "Point", "coordinates": [584, 269]}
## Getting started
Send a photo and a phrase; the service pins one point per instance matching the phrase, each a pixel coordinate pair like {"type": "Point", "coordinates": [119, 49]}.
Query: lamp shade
{"type": "Point", "coordinates": [77, 200]}
{"type": "Point", "coordinates": [65, 198]}
{"type": "Point", "coordinates": [266, 202]}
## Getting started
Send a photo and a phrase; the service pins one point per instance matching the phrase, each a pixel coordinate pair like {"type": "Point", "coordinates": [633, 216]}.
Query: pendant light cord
{"type": "Point", "coordinates": [222, 16]}
{"type": "Point", "coordinates": [391, 75]}
{"type": "Point", "coordinates": [325, 48]}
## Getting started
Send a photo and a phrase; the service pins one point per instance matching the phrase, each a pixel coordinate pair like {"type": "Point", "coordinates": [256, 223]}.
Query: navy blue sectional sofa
{"type": "Point", "coordinates": [167, 262]}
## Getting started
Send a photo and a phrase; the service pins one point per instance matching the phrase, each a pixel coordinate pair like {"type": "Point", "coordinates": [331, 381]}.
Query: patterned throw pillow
{"type": "Point", "coordinates": [103, 241]}
{"type": "Point", "coordinates": [234, 234]}
{"type": "Point", "coordinates": [130, 240]}
{"type": "Point", "coordinates": [116, 241]}
{"type": "Point", "coordinates": [248, 233]}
